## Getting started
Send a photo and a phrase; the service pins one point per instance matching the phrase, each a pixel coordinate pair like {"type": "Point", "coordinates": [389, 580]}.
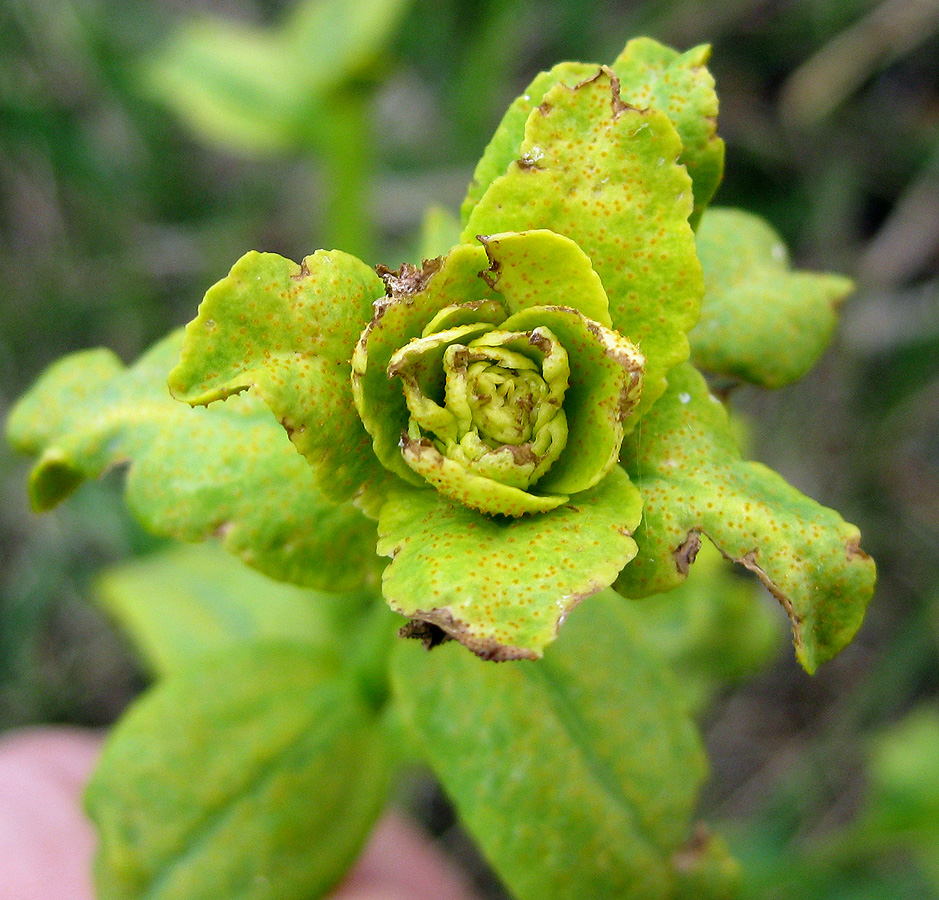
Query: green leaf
{"type": "Point", "coordinates": [338, 40]}
{"type": "Point", "coordinates": [503, 586]}
{"type": "Point", "coordinates": [604, 175]}
{"type": "Point", "coordinates": [261, 90]}
{"type": "Point", "coordinates": [653, 76]}
{"type": "Point", "coordinates": [193, 473]}
{"type": "Point", "coordinates": [232, 84]}
{"type": "Point", "coordinates": [187, 601]}
{"type": "Point", "coordinates": [760, 321]}
{"type": "Point", "coordinates": [542, 268]}
{"type": "Point", "coordinates": [693, 482]}
{"type": "Point", "coordinates": [576, 774]}
{"type": "Point", "coordinates": [503, 149]}
{"type": "Point", "coordinates": [252, 774]}
{"type": "Point", "coordinates": [416, 296]}
{"type": "Point", "coordinates": [288, 332]}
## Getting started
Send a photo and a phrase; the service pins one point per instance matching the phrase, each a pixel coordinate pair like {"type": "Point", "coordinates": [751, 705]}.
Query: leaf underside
{"type": "Point", "coordinates": [693, 482]}
{"type": "Point", "coordinates": [193, 473]}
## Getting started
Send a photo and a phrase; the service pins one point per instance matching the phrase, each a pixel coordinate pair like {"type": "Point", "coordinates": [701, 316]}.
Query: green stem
{"type": "Point", "coordinates": [343, 141]}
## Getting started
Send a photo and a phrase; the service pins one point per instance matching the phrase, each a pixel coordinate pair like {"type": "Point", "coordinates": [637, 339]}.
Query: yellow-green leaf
{"type": "Point", "coordinates": [653, 76]}
{"type": "Point", "coordinates": [503, 586]}
{"type": "Point", "coordinates": [253, 773]}
{"type": "Point", "coordinates": [228, 471]}
{"type": "Point", "coordinates": [577, 774]}
{"type": "Point", "coordinates": [760, 321]}
{"type": "Point", "coordinates": [287, 331]}
{"type": "Point", "coordinates": [605, 175]}
{"type": "Point", "coordinates": [693, 483]}
{"type": "Point", "coordinates": [187, 601]}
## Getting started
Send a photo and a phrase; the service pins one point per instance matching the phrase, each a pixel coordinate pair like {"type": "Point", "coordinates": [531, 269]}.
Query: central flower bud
{"type": "Point", "coordinates": [486, 401]}
{"type": "Point", "coordinates": [502, 394]}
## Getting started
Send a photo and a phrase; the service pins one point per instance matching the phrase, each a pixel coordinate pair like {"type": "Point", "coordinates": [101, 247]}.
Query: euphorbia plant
{"type": "Point", "coordinates": [515, 422]}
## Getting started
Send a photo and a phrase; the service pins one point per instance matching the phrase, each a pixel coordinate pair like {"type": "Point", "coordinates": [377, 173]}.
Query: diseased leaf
{"type": "Point", "coordinates": [503, 149]}
{"type": "Point", "coordinates": [416, 296]}
{"type": "Point", "coordinates": [576, 774]}
{"type": "Point", "coordinates": [542, 268]}
{"type": "Point", "coordinates": [760, 321]}
{"type": "Point", "coordinates": [288, 332]}
{"type": "Point", "coordinates": [191, 600]}
{"type": "Point", "coordinates": [693, 482]}
{"type": "Point", "coordinates": [503, 586]}
{"type": "Point", "coordinates": [605, 175]}
{"type": "Point", "coordinates": [228, 470]}
{"type": "Point", "coordinates": [253, 773]}
{"type": "Point", "coordinates": [653, 76]}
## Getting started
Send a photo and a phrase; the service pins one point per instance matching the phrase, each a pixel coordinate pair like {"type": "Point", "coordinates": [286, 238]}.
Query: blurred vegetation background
{"type": "Point", "coordinates": [145, 144]}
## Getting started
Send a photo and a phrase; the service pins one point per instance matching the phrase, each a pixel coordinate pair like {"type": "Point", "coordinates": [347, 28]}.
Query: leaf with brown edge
{"type": "Point", "coordinates": [653, 76]}
{"type": "Point", "coordinates": [605, 175]}
{"type": "Point", "coordinates": [503, 149]}
{"type": "Point", "coordinates": [288, 331]}
{"type": "Point", "coordinates": [578, 773]}
{"type": "Point", "coordinates": [694, 483]}
{"type": "Point", "coordinates": [503, 586]}
{"type": "Point", "coordinates": [192, 473]}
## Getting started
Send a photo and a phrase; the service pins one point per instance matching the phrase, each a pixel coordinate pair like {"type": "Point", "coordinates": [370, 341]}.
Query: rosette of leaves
{"type": "Point", "coordinates": [512, 409]}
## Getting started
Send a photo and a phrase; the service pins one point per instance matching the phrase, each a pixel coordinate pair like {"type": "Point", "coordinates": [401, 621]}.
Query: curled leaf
{"type": "Point", "coordinates": [503, 586]}
{"type": "Point", "coordinates": [693, 483]}
{"type": "Point", "coordinates": [606, 176]}
{"type": "Point", "coordinates": [653, 76]}
{"type": "Point", "coordinates": [287, 331]}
